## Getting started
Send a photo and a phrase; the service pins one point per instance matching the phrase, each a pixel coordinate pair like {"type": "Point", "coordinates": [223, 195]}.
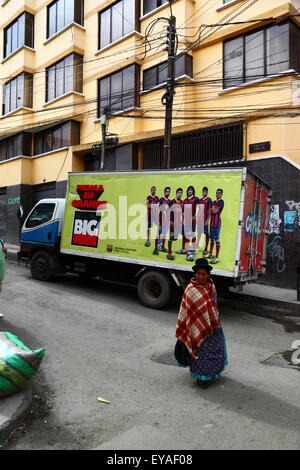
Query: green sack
{"type": "Point", "coordinates": [2, 264]}
{"type": "Point", "coordinates": [18, 364]}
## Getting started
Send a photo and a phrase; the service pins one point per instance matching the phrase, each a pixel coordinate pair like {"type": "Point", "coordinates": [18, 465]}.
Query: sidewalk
{"type": "Point", "coordinates": [269, 292]}
{"type": "Point", "coordinates": [13, 410]}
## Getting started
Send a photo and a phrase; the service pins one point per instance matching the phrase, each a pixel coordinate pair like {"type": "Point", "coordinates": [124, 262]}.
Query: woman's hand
{"type": "Point", "coordinates": [4, 249]}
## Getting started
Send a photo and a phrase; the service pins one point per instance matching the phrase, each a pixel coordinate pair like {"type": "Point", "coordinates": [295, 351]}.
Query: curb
{"type": "Point", "coordinates": [13, 410]}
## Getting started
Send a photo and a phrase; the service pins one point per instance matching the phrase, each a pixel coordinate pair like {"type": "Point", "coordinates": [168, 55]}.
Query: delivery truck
{"type": "Point", "coordinates": [146, 228]}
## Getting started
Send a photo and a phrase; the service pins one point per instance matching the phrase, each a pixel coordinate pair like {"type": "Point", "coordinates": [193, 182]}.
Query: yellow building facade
{"type": "Point", "coordinates": [64, 63]}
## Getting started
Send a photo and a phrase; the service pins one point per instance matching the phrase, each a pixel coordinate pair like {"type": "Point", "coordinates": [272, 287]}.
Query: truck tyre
{"type": "Point", "coordinates": [155, 289]}
{"type": "Point", "coordinates": [42, 266]}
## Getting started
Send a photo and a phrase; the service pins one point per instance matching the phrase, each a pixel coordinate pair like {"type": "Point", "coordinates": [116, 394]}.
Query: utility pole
{"type": "Point", "coordinates": [103, 128]}
{"type": "Point", "coordinates": [167, 99]}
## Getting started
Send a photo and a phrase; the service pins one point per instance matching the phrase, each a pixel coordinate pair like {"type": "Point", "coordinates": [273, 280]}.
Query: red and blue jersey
{"type": "Point", "coordinates": [176, 213]}
{"type": "Point", "coordinates": [215, 219]}
{"type": "Point", "coordinates": [152, 208]}
{"type": "Point", "coordinates": [207, 202]}
{"type": "Point", "coordinates": [164, 215]}
{"type": "Point", "coordinates": [190, 208]}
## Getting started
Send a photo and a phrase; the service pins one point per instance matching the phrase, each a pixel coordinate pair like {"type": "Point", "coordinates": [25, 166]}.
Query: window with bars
{"type": "Point", "coordinates": [65, 76]}
{"type": "Point", "coordinates": [17, 93]}
{"type": "Point", "coordinates": [261, 53]}
{"type": "Point", "coordinates": [119, 91]}
{"type": "Point", "coordinates": [218, 145]}
{"type": "Point", "coordinates": [63, 12]}
{"type": "Point", "coordinates": [19, 33]}
{"type": "Point", "coordinates": [158, 74]}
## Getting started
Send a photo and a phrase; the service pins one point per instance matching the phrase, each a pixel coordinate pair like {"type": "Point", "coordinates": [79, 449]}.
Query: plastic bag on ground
{"type": "Point", "coordinates": [18, 364]}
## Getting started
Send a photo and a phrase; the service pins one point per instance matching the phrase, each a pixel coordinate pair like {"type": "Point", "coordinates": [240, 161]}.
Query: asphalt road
{"type": "Point", "coordinates": [100, 341]}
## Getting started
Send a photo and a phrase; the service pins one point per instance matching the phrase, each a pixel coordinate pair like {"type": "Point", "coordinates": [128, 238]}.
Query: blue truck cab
{"type": "Point", "coordinates": [41, 234]}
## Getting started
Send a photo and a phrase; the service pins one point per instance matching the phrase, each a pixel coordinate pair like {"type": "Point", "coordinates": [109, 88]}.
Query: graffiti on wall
{"type": "Point", "coordinates": [276, 251]}
{"type": "Point", "coordinates": [3, 206]}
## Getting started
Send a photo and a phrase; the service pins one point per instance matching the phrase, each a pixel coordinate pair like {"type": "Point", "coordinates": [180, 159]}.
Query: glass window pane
{"type": "Point", "coordinates": [180, 66]}
{"type": "Point", "coordinates": [47, 141]}
{"type": "Point", "coordinates": [38, 144]}
{"type": "Point", "coordinates": [66, 134]}
{"type": "Point", "coordinates": [78, 11]}
{"type": "Point", "coordinates": [14, 36]}
{"type": "Point", "coordinates": [52, 20]}
{"type": "Point", "coordinates": [29, 30]}
{"type": "Point", "coordinates": [7, 98]}
{"type": "Point", "coordinates": [8, 42]}
{"type": "Point", "coordinates": [254, 56]}
{"type": "Point", "coordinates": [150, 78]}
{"type": "Point", "coordinates": [60, 14]}
{"type": "Point", "coordinates": [162, 72]}
{"type": "Point", "coordinates": [116, 21]}
{"type": "Point", "coordinates": [233, 62]}
{"type": "Point", "coordinates": [20, 90]}
{"type": "Point", "coordinates": [28, 90]}
{"type": "Point", "coordinates": [56, 138]}
{"type": "Point", "coordinates": [105, 28]}
{"type": "Point", "coordinates": [13, 95]}
{"type": "Point", "coordinates": [149, 5]}
{"type": "Point", "coordinates": [277, 49]}
{"type": "Point", "coordinates": [50, 84]}
{"type": "Point", "coordinates": [21, 30]}
{"type": "Point", "coordinates": [59, 78]}
{"type": "Point", "coordinates": [104, 92]}
{"type": "Point", "coordinates": [129, 16]}
{"type": "Point", "coordinates": [69, 82]}
{"type": "Point", "coordinates": [69, 11]}
{"type": "Point", "coordinates": [78, 73]}
{"type": "Point", "coordinates": [116, 92]}
{"type": "Point", "coordinates": [41, 214]}
{"type": "Point", "coordinates": [129, 87]}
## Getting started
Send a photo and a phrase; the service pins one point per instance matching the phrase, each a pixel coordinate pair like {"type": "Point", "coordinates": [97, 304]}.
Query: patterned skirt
{"type": "Point", "coordinates": [211, 357]}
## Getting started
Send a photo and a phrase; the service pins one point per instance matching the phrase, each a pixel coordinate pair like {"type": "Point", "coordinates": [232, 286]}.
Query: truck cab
{"type": "Point", "coordinates": [41, 232]}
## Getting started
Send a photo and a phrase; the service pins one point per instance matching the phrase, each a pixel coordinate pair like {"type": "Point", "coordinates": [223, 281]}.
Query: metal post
{"type": "Point", "coordinates": [167, 98]}
{"type": "Point", "coordinates": [103, 127]}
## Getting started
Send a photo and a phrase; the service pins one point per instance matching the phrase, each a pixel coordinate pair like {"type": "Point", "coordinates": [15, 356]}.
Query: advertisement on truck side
{"type": "Point", "coordinates": [166, 218]}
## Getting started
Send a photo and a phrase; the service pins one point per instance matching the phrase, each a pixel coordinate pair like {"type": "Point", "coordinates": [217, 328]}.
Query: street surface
{"type": "Point", "coordinates": [100, 342]}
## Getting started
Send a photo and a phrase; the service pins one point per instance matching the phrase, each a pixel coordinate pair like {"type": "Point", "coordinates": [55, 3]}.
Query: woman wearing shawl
{"type": "Point", "coordinates": [199, 328]}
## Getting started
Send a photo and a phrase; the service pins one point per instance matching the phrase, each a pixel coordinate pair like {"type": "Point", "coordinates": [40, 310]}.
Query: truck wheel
{"type": "Point", "coordinates": [154, 290]}
{"type": "Point", "coordinates": [42, 266]}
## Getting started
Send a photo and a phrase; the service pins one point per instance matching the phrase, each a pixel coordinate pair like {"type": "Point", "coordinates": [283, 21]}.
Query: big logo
{"type": "Point", "coordinates": [86, 228]}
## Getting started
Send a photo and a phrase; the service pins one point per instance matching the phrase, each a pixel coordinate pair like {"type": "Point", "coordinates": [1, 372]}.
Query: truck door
{"type": "Point", "coordinates": [41, 226]}
{"type": "Point", "coordinates": [255, 220]}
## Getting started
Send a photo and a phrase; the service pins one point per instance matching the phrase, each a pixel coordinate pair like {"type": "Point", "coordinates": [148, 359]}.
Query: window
{"type": "Point", "coordinates": [117, 21]}
{"type": "Point", "coordinates": [158, 74]}
{"type": "Point", "coordinates": [118, 91]}
{"type": "Point", "coordinates": [17, 93]}
{"type": "Point", "coordinates": [57, 137]}
{"type": "Point", "coordinates": [17, 145]}
{"type": "Point", "coordinates": [259, 54]}
{"type": "Point", "coordinates": [64, 76]}
{"type": "Point", "coordinates": [63, 12]}
{"type": "Point", "coordinates": [41, 214]}
{"type": "Point", "coordinates": [150, 5]}
{"type": "Point", "coordinates": [19, 33]}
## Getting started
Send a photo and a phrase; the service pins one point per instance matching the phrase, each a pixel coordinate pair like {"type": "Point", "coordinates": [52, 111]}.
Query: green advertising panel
{"type": "Point", "coordinates": [132, 216]}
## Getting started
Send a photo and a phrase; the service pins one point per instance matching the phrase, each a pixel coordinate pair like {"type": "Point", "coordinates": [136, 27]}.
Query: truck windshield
{"type": "Point", "coordinates": [41, 213]}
